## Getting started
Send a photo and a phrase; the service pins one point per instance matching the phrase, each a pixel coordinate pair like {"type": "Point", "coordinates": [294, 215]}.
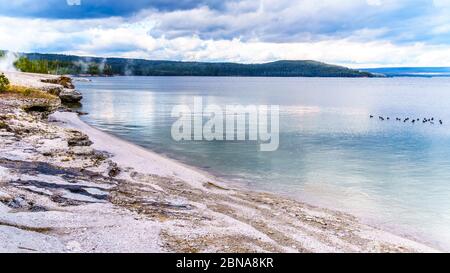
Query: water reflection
{"type": "Point", "coordinates": [331, 152]}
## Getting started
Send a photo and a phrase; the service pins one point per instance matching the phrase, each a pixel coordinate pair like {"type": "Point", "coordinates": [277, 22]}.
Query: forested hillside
{"type": "Point", "coordinates": [66, 64]}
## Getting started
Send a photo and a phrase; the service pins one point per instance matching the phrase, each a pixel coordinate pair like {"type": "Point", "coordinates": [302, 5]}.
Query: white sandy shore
{"type": "Point", "coordinates": [132, 156]}
{"type": "Point", "coordinates": [56, 197]}
{"type": "Point", "coordinates": [145, 161]}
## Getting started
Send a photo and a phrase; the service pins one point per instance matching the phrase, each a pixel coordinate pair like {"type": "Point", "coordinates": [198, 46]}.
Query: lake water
{"type": "Point", "coordinates": [331, 153]}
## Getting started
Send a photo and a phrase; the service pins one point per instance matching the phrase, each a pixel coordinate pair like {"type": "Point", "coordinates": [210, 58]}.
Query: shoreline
{"type": "Point", "coordinates": [79, 189]}
{"type": "Point", "coordinates": [72, 120]}
{"type": "Point", "coordinates": [129, 155]}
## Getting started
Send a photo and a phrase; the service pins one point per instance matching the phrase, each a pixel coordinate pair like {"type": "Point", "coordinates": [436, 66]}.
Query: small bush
{"type": "Point", "coordinates": [4, 83]}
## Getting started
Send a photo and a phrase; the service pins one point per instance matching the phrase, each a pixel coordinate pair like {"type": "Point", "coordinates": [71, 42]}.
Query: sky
{"type": "Point", "coordinates": [354, 33]}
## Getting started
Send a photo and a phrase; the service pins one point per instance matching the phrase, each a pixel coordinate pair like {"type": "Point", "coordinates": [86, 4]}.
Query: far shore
{"type": "Point", "coordinates": [66, 186]}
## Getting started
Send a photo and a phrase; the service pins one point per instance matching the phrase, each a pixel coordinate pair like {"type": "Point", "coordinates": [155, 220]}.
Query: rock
{"type": "Point", "coordinates": [80, 142]}
{"type": "Point", "coordinates": [113, 170]}
{"type": "Point", "coordinates": [18, 203]}
{"type": "Point", "coordinates": [54, 90]}
{"type": "Point", "coordinates": [78, 139]}
{"type": "Point", "coordinates": [81, 113]}
{"type": "Point", "coordinates": [4, 197]}
{"type": "Point", "coordinates": [4, 126]}
{"type": "Point", "coordinates": [38, 107]}
{"type": "Point", "coordinates": [64, 81]}
{"type": "Point", "coordinates": [70, 96]}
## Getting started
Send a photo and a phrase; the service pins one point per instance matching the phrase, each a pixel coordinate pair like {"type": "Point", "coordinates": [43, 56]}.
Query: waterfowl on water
{"type": "Point", "coordinates": [413, 120]}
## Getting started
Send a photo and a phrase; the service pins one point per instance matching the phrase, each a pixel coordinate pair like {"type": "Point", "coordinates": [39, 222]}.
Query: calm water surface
{"type": "Point", "coordinates": [331, 153]}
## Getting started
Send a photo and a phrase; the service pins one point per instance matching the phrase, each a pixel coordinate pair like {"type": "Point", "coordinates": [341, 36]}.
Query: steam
{"type": "Point", "coordinates": [83, 64]}
{"type": "Point", "coordinates": [101, 66]}
{"type": "Point", "coordinates": [7, 62]}
{"type": "Point", "coordinates": [128, 69]}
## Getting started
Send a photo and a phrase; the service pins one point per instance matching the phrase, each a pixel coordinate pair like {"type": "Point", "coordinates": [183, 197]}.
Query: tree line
{"type": "Point", "coordinates": [75, 65]}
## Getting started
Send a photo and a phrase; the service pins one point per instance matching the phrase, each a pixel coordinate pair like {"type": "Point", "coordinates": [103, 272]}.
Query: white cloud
{"type": "Point", "coordinates": [374, 2]}
{"type": "Point", "coordinates": [247, 31]}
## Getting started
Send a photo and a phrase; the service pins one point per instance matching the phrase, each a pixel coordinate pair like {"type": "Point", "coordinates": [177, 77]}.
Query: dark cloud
{"type": "Point", "coordinates": [294, 22]}
{"type": "Point", "coordinates": [60, 9]}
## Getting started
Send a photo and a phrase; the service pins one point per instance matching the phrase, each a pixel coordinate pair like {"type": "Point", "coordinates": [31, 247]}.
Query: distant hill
{"type": "Point", "coordinates": [411, 71]}
{"type": "Point", "coordinates": [68, 64]}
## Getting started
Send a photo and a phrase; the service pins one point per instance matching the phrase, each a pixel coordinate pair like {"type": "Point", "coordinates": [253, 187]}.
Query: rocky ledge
{"type": "Point", "coordinates": [60, 86]}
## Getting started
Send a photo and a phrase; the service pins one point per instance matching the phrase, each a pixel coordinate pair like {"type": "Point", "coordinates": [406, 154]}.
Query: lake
{"type": "Point", "coordinates": [390, 173]}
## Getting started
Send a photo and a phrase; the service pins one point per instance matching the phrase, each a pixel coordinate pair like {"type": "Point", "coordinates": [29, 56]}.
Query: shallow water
{"type": "Point", "coordinates": [331, 153]}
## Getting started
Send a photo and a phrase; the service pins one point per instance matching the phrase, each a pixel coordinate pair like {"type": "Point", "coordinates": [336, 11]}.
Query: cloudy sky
{"type": "Point", "coordinates": [355, 33]}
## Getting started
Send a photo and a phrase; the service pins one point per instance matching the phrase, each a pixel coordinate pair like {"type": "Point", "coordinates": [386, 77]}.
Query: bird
{"type": "Point", "coordinates": [440, 121]}
{"type": "Point", "coordinates": [406, 120]}
{"type": "Point", "coordinates": [388, 118]}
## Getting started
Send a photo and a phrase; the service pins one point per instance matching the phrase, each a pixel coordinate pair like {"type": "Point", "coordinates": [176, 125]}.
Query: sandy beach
{"type": "Point", "coordinates": [68, 187]}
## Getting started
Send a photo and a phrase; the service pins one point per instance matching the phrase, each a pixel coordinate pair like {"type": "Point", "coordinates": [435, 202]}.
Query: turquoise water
{"type": "Point", "coordinates": [331, 153]}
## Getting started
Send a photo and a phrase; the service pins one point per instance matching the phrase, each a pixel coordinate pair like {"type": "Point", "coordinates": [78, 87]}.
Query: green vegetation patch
{"type": "Point", "coordinates": [4, 83]}
{"type": "Point", "coordinates": [29, 92]}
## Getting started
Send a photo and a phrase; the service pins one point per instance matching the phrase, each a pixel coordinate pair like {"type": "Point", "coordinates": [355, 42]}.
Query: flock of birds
{"type": "Point", "coordinates": [424, 120]}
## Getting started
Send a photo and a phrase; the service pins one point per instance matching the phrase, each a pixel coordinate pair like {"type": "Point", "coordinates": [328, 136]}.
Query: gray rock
{"type": "Point", "coordinates": [70, 96]}
{"type": "Point", "coordinates": [64, 81]}
{"type": "Point", "coordinates": [18, 203]}
{"type": "Point", "coordinates": [113, 170]}
{"type": "Point", "coordinates": [78, 139]}
{"type": "Point", "coordinates": [54, 90]}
